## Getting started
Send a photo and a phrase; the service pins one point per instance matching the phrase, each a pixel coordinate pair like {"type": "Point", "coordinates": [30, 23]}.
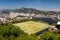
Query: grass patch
{"type": "Point", "coordinates": [31, 26]}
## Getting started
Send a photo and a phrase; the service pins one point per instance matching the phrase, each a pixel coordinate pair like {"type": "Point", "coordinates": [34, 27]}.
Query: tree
{"type": "Point", "coordinates": [49, 36]}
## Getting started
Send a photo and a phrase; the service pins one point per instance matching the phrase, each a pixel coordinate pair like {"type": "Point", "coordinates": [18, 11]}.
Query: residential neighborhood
{"type": "Point", "coordinates": [19, 16]}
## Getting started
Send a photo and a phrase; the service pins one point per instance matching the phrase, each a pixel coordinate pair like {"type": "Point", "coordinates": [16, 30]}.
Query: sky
{"type": "Point", "coordinates": [37, 4]}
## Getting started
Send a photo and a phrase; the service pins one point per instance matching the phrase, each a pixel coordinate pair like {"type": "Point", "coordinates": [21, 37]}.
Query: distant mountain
{"type": "Point", "coordinates": [29, 10]}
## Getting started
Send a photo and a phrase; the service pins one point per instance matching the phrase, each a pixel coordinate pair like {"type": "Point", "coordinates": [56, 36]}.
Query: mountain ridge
{"type": "Point", "coordinates": [29, 10]}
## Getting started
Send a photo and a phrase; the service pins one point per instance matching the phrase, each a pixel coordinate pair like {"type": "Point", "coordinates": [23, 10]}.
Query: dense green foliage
{"type": "Point", "coordinates": [10, 32]}
{"type": "Point", "coordinates": [49, 36]}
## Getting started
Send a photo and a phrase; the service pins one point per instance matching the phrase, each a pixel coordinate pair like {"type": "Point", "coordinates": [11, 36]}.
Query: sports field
{"type": "Point", "coordinates": [31, 26]}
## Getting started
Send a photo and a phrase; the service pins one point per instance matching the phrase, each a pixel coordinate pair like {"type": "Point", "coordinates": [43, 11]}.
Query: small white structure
{"type": "Point", "coordinates": [58, 23]}
{"type": "Point", "coordinates": [58, 26]}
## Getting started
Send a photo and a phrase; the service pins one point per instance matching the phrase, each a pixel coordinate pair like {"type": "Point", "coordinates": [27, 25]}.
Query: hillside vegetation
{"type": "Point", "coordinates": [11, 32]}
{"type": "Point", "coordinates": [29, 10]}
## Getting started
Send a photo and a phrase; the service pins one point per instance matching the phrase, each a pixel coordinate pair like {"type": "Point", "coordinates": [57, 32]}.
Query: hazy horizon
{"type": "Point", "coordinates": [53, 5]}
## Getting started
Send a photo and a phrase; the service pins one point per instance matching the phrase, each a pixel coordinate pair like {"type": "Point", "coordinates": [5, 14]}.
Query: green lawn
{"type": "Point", "coordinates": [31, 26]}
